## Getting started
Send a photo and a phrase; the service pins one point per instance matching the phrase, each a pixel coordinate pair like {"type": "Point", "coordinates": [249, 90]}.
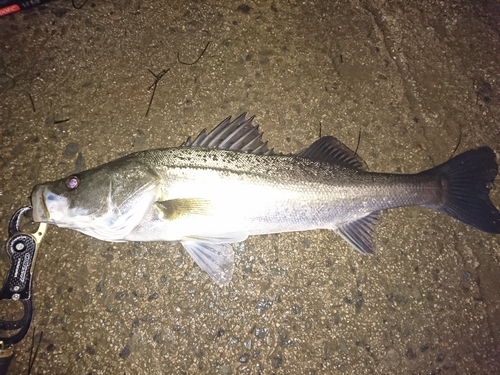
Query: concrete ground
{"type": "Point", "coordinates": [414, 78]}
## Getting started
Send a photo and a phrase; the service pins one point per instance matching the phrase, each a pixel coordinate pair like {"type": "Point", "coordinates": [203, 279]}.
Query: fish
{"type": "Point", "coordinates": [227, 184]}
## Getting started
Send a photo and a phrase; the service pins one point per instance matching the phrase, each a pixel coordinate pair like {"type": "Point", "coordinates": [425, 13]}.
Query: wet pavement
{"type": "Point", "coordinates": [413, 81]}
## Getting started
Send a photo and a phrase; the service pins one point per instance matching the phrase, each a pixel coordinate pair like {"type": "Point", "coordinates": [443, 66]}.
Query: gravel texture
{"type": "Point", "coordinates": [413, 79]}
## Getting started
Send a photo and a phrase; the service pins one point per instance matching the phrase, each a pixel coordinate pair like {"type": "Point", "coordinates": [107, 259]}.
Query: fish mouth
{"type": "Point", "coordinates": [40, 211]}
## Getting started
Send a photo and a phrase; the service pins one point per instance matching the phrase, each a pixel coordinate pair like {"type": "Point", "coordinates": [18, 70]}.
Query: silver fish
{"type": "Point", "coordinates": [227, 184]}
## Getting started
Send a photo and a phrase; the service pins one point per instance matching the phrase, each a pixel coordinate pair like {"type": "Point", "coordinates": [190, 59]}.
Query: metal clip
{"type": "Point", "coordinates": [21, 248]}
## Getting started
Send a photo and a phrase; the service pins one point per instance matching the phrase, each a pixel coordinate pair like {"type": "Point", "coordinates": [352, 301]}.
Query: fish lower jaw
{"type": "Point", "coordinates": [40, 213]}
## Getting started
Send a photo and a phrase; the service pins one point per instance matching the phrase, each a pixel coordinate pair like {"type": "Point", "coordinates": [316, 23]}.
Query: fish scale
{"type": "Point", "coordinates": [300, 186]}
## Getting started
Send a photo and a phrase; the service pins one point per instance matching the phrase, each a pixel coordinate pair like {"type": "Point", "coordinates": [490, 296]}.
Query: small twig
{"type": "Point", "coordinates": [33, 356]}
{"type": "Point", "coordinates": [157, 77]}
{"type": "Point", "coordinates": [32, 103]}
{"type": "Point", "coordinates": [359, 140]}
{"type": "Point", "coordinates": [199, 57]}
{"type": "Point", "coordinates": [79, 6]}
{"type": "Point", "coordinates": [458, 143]}
{"type": "Point", "coordinates": [320, 124]}
{"type": "Point", "coordinates": [153, 86]}
{"type": "Point", "coordinates": [61, 121]}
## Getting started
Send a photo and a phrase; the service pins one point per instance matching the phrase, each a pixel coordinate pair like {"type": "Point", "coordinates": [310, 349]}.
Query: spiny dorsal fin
{"type": "Point", "coordinates": [331, 150]}
{"type": "Point", "coordinates": [237, 135]}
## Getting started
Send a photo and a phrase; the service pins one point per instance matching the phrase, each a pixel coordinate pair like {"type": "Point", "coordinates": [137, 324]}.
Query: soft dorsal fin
{"type": "Point", "coordinates": [237, 135]}
{"type": "Point", "coordinates": [331, 150]}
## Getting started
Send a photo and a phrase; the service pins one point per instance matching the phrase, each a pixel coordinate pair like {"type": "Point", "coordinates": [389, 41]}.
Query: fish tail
{"type": "Point", "coordinates": [466, 180]}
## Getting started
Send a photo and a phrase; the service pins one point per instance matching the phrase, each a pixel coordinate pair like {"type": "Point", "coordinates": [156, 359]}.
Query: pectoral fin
{"type": "Point", "coordinates": [359, 233]}
{"type": "Point", "coordinates": [182, 207]}
{"type": "Point", "coordinates": [217, 259]}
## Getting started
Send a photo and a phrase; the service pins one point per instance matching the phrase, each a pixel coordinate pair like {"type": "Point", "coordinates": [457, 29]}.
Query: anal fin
{"type": "Point", "coordinates": [359, 234]}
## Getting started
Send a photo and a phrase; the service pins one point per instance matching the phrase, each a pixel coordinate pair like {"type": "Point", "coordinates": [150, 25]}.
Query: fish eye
{"type": "Point", "coordinates": [72, 182]}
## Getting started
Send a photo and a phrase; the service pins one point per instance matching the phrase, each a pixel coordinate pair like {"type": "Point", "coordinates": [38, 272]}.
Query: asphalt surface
{"type": "Point", "coordinates": [412, 81]}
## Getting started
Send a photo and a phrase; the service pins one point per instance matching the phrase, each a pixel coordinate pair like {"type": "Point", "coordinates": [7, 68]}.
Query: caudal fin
{"type": "Point", "coordinates": [467, 179]}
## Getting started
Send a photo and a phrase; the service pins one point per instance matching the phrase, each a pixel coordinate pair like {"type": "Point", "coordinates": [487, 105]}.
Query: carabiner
{"type": "Point", "coordinates": [22, 248]}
